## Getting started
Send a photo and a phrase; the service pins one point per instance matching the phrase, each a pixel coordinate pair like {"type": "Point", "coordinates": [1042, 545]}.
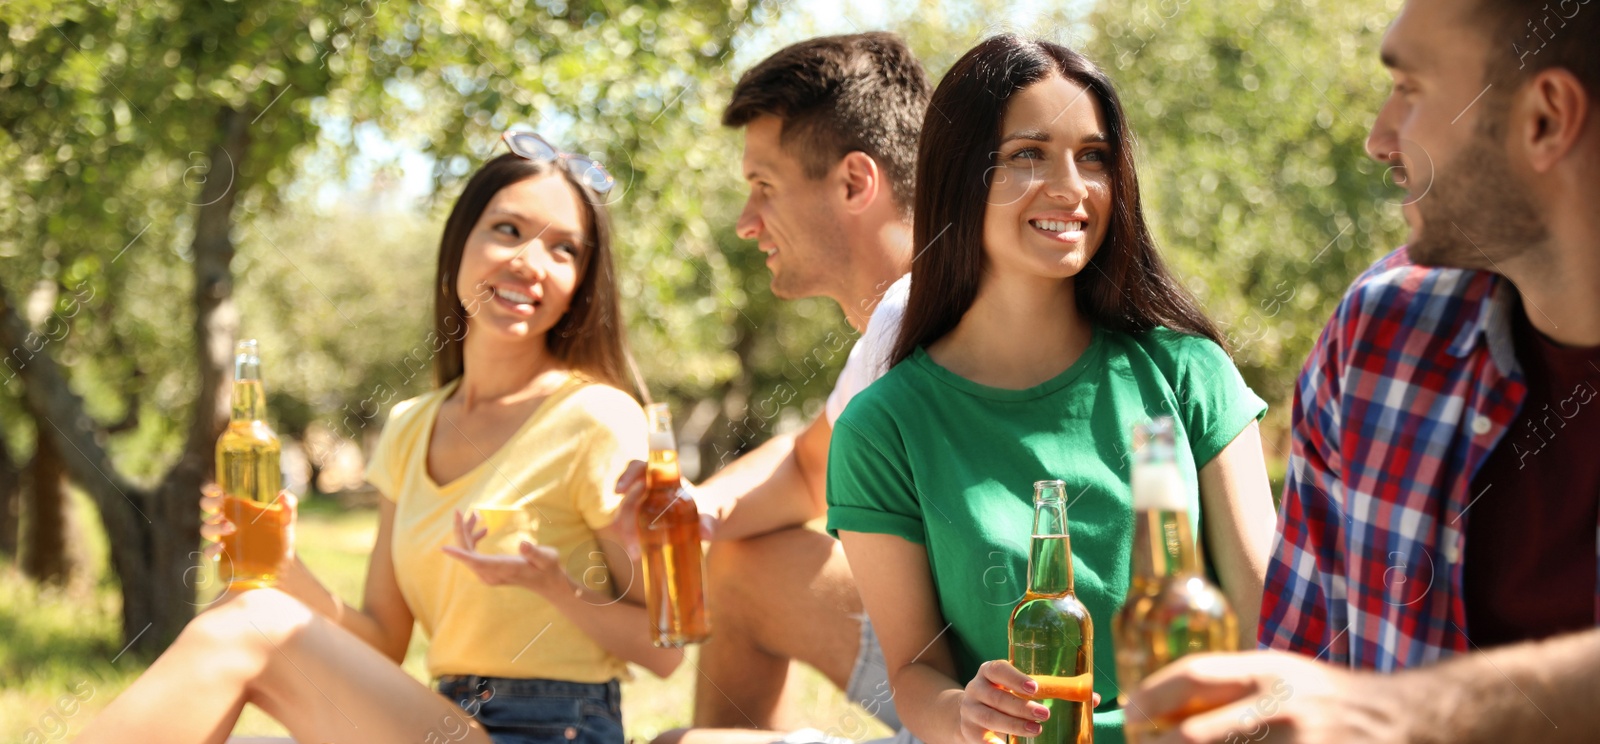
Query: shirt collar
{"type": "Point", "coordinates": [1493, 324]}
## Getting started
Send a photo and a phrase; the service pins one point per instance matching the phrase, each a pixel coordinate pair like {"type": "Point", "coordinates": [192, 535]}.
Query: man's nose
{"type": "Point", "coordinates": [749, 224]}
{"type": "Point", "coordinates": [1383, 141]}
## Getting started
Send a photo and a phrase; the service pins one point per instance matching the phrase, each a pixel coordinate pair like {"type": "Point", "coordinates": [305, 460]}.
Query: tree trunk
{"type": "Point", "coordinates": [10, 499]}
{"type": "Point", "coordinates": [154, 537]}
{"type": "Point", "coordinates": [49, 399]}
{"type": "Point", "coordinates": [175, 558]}
{"type": "Point", "coordinates": [45, 556]}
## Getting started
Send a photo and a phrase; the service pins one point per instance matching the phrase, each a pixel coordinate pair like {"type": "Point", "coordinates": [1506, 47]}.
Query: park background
{"type": "Point", "coordinates": [181, 173]}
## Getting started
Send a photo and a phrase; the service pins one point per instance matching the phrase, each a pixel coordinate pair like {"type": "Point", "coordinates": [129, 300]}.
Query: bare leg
{"type": "Point", "coordinates": [323, 683]}
{"type": "Point", "coordinates": [786, 595]}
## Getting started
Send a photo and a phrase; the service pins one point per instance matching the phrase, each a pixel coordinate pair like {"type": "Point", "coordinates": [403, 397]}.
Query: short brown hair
{"type": "Point", "coordinates": [1530, 36]}
{"type": "Point", "coordinates": [839, 94]}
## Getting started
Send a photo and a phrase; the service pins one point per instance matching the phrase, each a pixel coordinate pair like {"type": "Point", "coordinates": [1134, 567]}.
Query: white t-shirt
{"type": "Point", "coordinates": [869, 358]}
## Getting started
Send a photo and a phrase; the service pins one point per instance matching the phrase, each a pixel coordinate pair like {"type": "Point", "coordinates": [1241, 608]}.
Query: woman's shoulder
{"type": "Point", "coordinates": [408, 413]}
{"type": "Point", "coordinates": [888, 396]}
{"type": "Point", "coordinates": [1200, 375]}
{"type": "Point", "coordinates": [599, 404]}
{"type": "Point", "coordinates": [1176, 352]}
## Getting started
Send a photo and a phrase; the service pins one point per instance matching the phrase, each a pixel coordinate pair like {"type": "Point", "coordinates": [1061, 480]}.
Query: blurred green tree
{"type": "Point", "coordinates": [167, 160]}
{"type": "Point", "coordinates": [130, 121]}
{"type": "Point", "coordinates": [149, 135]}
{"type": "Point", "coordinates": [1253, 120]}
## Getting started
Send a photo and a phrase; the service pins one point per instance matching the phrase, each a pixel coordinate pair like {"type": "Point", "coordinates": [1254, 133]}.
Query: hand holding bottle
{"type": "Point", "coordinates": [218, 527]}
{"type": "Point", "coordinates": [1003, 696]}
{"type": "Point", "coordinates": [631, 484]}
{"type": "Point", "coordinates": [996, 702]}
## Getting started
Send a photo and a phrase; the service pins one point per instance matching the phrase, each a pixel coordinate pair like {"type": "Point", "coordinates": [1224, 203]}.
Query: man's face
{"type": "Point", "coordinates": [794, 219]}
{"type": "Point", "coordinates": [1442, 132]}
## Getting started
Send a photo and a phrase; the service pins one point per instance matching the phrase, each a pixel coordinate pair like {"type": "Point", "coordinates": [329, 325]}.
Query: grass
{"type": "Point", "coordinates": [60, 659]}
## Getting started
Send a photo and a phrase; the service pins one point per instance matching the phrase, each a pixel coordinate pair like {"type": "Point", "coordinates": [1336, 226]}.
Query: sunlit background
{"type": "Point", "coordinates": [177, 172]}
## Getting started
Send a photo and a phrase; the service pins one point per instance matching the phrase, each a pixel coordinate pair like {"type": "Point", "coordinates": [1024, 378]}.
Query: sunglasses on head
{"type": "Point", "coordinates": [530, 146]}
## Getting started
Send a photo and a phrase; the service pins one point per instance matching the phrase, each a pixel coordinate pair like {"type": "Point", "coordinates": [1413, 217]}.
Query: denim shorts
{"type": "Point", "coordinates": [869, 688]}
{"type": "Point", "coordinates": [539, 711]}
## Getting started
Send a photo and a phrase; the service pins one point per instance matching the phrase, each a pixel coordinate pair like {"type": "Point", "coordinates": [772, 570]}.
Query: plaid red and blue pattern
{"type": "Point", "coordinates": [1410, 387]}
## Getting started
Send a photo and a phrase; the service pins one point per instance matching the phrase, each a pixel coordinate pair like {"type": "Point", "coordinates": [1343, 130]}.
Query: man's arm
{"type": "Point", "coordinates": [782, 483]}
{"type": "Point", "coordinates": [1302, 607]}
{"type": "Point", "coordinates": [1531, 692]}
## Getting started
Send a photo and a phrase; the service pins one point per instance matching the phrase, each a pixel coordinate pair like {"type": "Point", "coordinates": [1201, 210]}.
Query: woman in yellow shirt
{"type": "Point", "coordinates": [528, 638]}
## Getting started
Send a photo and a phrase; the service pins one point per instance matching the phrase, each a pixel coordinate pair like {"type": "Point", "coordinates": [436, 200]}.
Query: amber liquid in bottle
{"type": "Point", "coordinates": [248, 473]}
{"type": "Point", "coordinates": [1171, 610]}
{"type": "Point", "coordinates": [669, 538]}
{"type": "Point", "coordinates": [1051, 634]}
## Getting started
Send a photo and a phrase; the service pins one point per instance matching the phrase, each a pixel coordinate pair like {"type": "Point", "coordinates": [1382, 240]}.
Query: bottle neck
{"type": "Point", "coordinates": [1050, 554]}
{"type": "Point", "coordinates": [1163, 544]}
{"type": "Point", "coordinates": [249, 401]}
{"type": "Point", "coordinates": [662, 468]}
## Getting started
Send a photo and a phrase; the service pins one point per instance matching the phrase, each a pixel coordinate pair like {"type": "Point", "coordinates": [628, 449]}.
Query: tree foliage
{"type": "Point", "coordinates": [167, 163]}
{"type": "Point", "coordinates": [1253, 121]}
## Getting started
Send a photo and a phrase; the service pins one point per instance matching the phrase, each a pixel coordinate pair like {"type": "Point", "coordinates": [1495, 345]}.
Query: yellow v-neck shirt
{"type": "Point", "coordinates": [561, 467]}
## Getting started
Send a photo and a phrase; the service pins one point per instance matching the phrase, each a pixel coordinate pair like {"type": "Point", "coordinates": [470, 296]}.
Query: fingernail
{"type": "Point", "coordinates": [1030, 687]}
{"type": "Point", "coordinates": [1034, 728]}
{"type": "Point", "coordinates": [1041, 713]}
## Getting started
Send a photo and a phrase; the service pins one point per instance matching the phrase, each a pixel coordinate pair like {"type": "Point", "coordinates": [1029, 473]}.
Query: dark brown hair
{"type": "Point", "coordinates": [1530, 36]}
{"type": "Point", "coordinates": [590, 338]}
{"type": "Point", "coordinates": [1125, 287]}
{"type": "Point", "coordinates": [837, 95]}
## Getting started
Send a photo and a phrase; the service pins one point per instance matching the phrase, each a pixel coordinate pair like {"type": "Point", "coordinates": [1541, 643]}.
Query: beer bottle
{"type": "Point", "coordinates": [669, 537]}
{"type": "Point", "coordinates": [1051, 635]}
{"type": "Point", "coordinates": [249, 476]}
{"type": "Point", "coordinates": [1171, 610]}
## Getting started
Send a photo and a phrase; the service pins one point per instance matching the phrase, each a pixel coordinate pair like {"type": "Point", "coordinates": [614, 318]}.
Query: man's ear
{"type": "Point", "coordinates": [1555, 109]}
{"type": "Point", "coordinates": [862, 180]}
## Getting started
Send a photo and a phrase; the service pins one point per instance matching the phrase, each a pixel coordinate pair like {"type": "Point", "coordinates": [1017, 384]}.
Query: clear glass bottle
{"type": "Point", "coordinates": [1172, 610]}
{"type": "Point", "coordinates": [250, 477]}
{"type": "Point", "coordinates": [669, 538]}
{"type": "Point", "coordinates": [1051, 634]}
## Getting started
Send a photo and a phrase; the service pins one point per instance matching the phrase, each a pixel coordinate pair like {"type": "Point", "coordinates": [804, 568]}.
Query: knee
{"type": "Point", "coordinates": [729, 566]}
{"type": "Point", "coordinates": [257, 618]}
{"type": "Point", "coordinates": [740, 574]}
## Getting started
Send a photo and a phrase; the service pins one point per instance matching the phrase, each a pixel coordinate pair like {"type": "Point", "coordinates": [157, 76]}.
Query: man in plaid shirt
{"type": "Point", "coordinates": [1444, 487]}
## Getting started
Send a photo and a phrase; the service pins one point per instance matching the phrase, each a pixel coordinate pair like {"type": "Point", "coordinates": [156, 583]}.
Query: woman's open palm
{"type": "Point", "coordinates": [534, 567]}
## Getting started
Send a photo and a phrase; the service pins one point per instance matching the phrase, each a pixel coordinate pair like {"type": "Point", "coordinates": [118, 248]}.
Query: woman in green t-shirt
{"type": "Point", "coordinates": [1041, 327]}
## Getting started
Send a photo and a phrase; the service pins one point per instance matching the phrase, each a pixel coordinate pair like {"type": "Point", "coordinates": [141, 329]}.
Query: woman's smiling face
{"type": "Point", "coordinates": [1050, 187]}
{"type": "Point", "coordinates": [523, 260]}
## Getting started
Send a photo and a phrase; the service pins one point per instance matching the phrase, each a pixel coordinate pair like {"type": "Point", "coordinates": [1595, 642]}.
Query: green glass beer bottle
{"type": "Point", "coordinates": [1051, 635]}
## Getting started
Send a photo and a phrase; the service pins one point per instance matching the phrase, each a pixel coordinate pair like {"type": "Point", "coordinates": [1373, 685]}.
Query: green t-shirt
{"type": "Point", "coordinates": [942, 461]}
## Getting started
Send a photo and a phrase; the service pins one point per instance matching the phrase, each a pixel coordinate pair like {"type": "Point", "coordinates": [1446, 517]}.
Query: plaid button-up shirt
{"type": "Point", "coordinates": [1410, 387]}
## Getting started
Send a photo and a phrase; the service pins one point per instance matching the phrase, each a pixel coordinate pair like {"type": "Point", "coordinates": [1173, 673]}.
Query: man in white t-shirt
{"type": "Point", "coordinates": [831, 127]}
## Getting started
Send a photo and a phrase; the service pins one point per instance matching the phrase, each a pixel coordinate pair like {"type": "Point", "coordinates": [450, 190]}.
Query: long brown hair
{"type": "Point", "coordinates": [590, 337]}
{"type": "Point", "coordinates": [1125, 287]}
